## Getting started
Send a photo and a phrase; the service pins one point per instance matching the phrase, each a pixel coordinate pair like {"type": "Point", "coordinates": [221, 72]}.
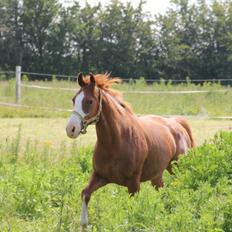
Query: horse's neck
{"type": "Point", "coordinates": [113, 120]}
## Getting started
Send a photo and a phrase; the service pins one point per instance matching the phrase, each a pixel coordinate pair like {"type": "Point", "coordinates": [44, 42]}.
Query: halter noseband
{"type": "Point", "coordinates": [92, 120]}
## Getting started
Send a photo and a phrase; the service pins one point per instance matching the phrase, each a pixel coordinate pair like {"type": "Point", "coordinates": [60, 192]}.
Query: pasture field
{"type": "Point", "coordinates": [42, 101]}
{"type": "Point", "coordinates": [42, 172]}
{"type": "Point", "coordinates": [52, 130]}
{"type": "Point", "coordinates": [40, 191]}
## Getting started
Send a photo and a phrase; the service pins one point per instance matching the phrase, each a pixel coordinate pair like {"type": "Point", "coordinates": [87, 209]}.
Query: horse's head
{"type": "Point", "coordinates": [87, 104]}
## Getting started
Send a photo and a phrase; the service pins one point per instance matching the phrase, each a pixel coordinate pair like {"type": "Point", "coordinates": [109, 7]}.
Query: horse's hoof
{"type": "Point", "coordinates": [83, 228]}
{"type": "Point", "coordinates": [84, 223]}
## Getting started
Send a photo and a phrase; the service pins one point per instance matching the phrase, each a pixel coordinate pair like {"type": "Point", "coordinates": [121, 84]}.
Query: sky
{"type": "Point", "coordinates": [152, 6]}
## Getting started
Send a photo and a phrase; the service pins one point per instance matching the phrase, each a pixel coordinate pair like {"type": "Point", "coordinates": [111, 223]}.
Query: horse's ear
{"type": "Point", "coordinates": [80, 79]}
{"type": "Point", "coordinates": [92, 79]}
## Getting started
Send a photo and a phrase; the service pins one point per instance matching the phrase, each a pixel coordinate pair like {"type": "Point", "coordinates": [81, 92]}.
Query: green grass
{"type": "Point", "coordinates": [42, 172]}
{"type": "Point", "coordinates": [211, 103]}
{"type": "Point", "coordinates": [40, 191]}
{"type": "Point", "coordinates": [52, 130]}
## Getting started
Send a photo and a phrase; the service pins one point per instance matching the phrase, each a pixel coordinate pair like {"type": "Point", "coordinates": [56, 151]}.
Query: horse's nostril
{"type": "Point", "coordinates": [73, 129]}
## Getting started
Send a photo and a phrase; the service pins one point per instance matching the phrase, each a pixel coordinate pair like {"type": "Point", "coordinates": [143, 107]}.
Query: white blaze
{"type": "Point", "coordinates": [73, 127]}
{"type": "Point", "coordinates": [78, 104]}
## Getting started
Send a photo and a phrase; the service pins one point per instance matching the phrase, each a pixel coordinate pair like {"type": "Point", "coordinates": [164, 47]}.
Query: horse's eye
{"type": "Point", "coordinates": [90, 102]}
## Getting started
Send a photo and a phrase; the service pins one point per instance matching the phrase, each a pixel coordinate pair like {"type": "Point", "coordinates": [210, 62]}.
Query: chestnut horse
{"type": "Point", "coordinates": [129, 149]}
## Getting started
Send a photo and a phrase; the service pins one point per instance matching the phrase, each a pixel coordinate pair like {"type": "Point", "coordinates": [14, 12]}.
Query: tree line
{"type": "Point", "coordinates": [189, 40]}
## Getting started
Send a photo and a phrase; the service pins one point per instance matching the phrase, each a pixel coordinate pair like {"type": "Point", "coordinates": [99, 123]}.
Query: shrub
{"type": "Point", "coordinates": [39, 193]}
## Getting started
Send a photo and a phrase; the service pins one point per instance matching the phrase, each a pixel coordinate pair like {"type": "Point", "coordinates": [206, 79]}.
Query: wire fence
{"type": "Point", "coordinates": [148, 80]}
{"type": "Point", "coordinates": [19, 85]}
{"type": "Point", "coordinates": [6, 75]}
{"type": "Point", "coordinates": [50, 76]}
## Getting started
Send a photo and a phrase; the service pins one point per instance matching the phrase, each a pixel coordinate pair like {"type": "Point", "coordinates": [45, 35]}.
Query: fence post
{"type": "Point", "coordinates": [18, 83]}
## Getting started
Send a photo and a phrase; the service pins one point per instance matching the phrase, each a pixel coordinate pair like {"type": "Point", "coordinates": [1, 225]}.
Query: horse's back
{"type": "Point", "coordinates": [178, 127]}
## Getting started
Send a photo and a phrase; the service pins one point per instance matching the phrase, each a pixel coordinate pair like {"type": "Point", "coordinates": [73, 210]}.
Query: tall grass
{"type": "Point", "coordinates": [40, 191]}
{"type": "Point", "coordinates": [43, 102]}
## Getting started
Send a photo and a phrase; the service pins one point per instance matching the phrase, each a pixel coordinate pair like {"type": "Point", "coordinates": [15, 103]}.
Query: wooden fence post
{"type": "Point", "coordinates": [18, 83]}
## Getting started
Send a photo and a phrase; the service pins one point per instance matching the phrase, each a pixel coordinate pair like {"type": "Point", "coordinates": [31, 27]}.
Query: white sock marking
{"type": "Point", "coordinates": [84, 214]}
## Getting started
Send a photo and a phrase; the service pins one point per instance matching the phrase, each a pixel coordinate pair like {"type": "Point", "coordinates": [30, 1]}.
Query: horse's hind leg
{"type": "Point", "coordinates": [172, 163]}
{"type": "Point", "coordinates": [95, 183]}
{"type": "Point", "coordinates": [133, 185]}
{"type": "Point", "coordinates": [158, 181]}
{"type": "Point", "coordinates": [169, 168]}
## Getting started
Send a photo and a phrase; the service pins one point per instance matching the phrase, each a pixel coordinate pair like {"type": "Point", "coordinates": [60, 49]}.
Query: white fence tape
{"type": "Point", "coordinates": [7, 104]}
{"type": "Point", "coordinates": [134, 91]}
{"type": "Point", "coordinates": [47, 87]}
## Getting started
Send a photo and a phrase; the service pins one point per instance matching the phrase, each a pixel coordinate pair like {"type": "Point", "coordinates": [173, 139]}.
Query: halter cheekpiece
{"type": "Point", "coordinates": [93, 120]}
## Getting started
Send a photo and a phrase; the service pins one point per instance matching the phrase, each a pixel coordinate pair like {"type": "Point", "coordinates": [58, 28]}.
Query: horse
{"type": "Point", "coordinates": [130, 149]}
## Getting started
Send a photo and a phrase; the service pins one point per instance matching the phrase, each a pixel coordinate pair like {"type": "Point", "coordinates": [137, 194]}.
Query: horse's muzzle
{"type": "Point", "coordinates": [72, 133]}
{"type": "Point", "coordinates": [73, 128]}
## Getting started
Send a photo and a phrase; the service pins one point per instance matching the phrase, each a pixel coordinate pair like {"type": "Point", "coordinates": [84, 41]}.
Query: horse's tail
{"type": "Point", "coordinates": [186, 126]}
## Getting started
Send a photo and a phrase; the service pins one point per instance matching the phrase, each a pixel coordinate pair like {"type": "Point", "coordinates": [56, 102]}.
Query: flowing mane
{"type": "Point", "coordinates": [105, 82]}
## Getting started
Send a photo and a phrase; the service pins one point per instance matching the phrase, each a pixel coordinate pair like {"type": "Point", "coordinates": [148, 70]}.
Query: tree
{"type": "Point", "coordinates": [189, 40]}
{"type": "Point", "coordinates": [11, 33]}
{"type": "Point", "coordinates": [39, 17]}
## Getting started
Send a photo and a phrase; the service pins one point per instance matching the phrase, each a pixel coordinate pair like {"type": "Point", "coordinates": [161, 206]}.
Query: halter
{"type": "Point", "coordinates": [93, 120]}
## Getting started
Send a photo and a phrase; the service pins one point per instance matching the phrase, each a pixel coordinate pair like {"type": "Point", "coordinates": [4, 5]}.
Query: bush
{"type": "Point", "coordinates": [40, 191]}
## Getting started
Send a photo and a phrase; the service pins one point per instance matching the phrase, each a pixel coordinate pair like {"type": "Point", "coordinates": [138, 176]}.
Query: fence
{"type": "Point", "coordinates": [18, 74]}
{"type": "Point", "coordinates": [148, 80]}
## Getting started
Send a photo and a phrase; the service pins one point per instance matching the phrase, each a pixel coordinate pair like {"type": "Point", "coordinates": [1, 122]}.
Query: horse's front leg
{"type": "Point", "coordinates": [95, 183]}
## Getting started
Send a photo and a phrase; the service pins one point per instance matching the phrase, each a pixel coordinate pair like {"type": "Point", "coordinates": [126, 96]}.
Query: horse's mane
{"type": "Point", "coordinates": [105, 82]}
